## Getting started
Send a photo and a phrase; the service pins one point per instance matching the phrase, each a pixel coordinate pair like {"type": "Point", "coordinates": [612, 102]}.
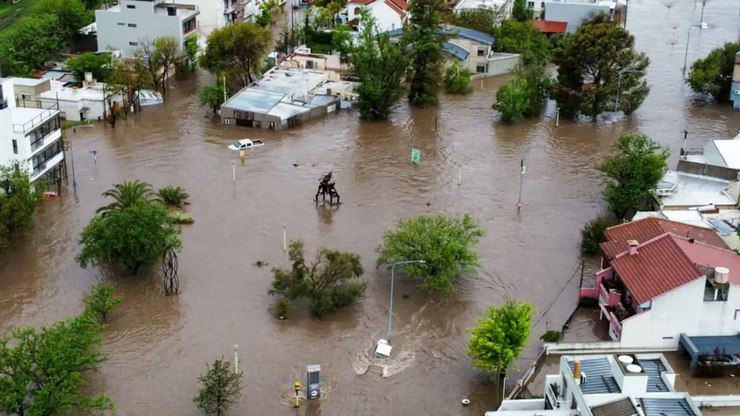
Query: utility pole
{"type": "Point", "coordinates": [701, 19]}
{"type": "Point", "coordinates": [521, 180]}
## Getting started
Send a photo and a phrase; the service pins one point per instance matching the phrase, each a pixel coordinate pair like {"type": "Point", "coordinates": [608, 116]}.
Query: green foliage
{"type": "Point", "coordinates": [157, 58]}
{"type": "Point", "coordinates": [283, 308]}
{"type": "Point", "coordinates": [71, 15]}
{"type": "Point", "coordinates": [18, 202]}
{"type": "Point", "coordinates": [43, 369]}
{"type": "Point", "coordinates": [341, 41]}
{"type": "Point", "coordinates": [220, 389]}
{"type": "Point", "coordinates": [522, 97]}
{"type": "Point", "coordinates": [425, 50]}
{"type": "Point", "coordinates": [288, 40]}
{"type": "Point", "coordinates": [443, 242]}
{"type": "Point", "coordinates": [98, 64]}
{"type": "Point", "coordinates": [173, 195]}
{"type": "Point", "coordinates": [212, 96]}
{"type": "Point", "coordinates": [592, 234]}
{"type": "Point", "coordinates": [457, 79]}
{"type": "Point", "coordinates": [632, 172]}
{"type": "Point", "coordinates": [179, 217]}
{"type": "Point", "coordinates": [380, 65]}
{"type": "Point", "coordinates": [102, 299]}
{"type": "Point", "coordinates": [29, 43]}
{"type": "Point", "coordinates": [129, 238]}
{"type": "Point", "coordinates": [126, 194]}
{"type": "Point", "coordinates": [482, 19]}
{"type": "Point", "coordinates": [191, 53]}
{"type": "Point", "coordinates": [589, 63]}
{"type": "Point", "coordinates": [523, 38]}
{"type": "Point", "coordinates": [328, 9]}
{"type": "Point", "coordinates": [552, 336]}
{"type": "Point", "coordinates": [264, 19]}
{"type": "Point", "coordinates": [500, 336]}
{"type": "Point", "coordinates": [327, 282]}
{"type": "Point", "coordinates": [713, 74]}
{"type": "Point", "coordinates": [237, 50]}
{"type": "Point", "coordinates": [521, 11]}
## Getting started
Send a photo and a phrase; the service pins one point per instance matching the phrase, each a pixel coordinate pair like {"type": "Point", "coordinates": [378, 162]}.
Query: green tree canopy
{"type": "Point", "coordinates": [523, 96]}
{"type": "Point", "coordinates": [500, 336]}
{"type": "Point", "coordinates": [129, 238]}
{"type": "Point", "coordinates": [328, 282]}
{"type": "Point", "coordinates": [19, 200]}
{"type": "Point", "coordinates": [520, 11]}
{"type": "Point", "coordinates": [443, 242]}
{"type": "Point", "coordinates": [157, 58]}
{"type": "Point", "coordinates": [457, 79]}
{"type": "Point", "coordinates": [425, 50]}
{"type": "Point", "coordinates": [102, 299]}
{"type": "Point", "coordinates": [220, 389]}
{"type": "Point", "coordinates": [589, 66]}
{"type": "Point", "coordinates": [237, 50]}
{"type": "Point", "coordinates": [125, 194]}
{"type": "Point", "coordinates": [631, 172]}
{"type": "Point", "coordinates": [592, 234]}
{"type": "Point", "coordinates": [43, 369]}
{"type": "Point", "coordinates": [482, 19]}
{"type": "Point", "coordinates": [71, 15]}
{"type": "Point", "coordinates": [380, 65]}
{"type": "Point", "coordinates": [523, 38]}
{"type": "Point", "coordinates": [100, 65]}
{"type": "Point", "coordinates": [713, 74]}
{"type": "Point", "coordinates": [212, 96]}
{"type": "Point", "coordinates": [29, 43]}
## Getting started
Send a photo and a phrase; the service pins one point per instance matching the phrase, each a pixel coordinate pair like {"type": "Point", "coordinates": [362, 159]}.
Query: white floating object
{"type": "Point", "coordinates": [383, 349]}
{"type": "Point", "coordinates": [465, 402]}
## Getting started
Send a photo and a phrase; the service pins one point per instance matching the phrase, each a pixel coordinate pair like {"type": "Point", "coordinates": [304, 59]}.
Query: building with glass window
{"type": "Point", "coordinates": [130, 23]}
{"type": "Point", "coordinates": [30, 133]}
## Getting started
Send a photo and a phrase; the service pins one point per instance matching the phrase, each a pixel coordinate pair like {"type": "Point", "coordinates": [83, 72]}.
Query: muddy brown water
{"type": "Point", "coordinates": [158, 345]}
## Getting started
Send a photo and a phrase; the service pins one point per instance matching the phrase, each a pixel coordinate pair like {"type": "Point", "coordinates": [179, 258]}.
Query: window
{"type": "Point", "coordinates": [25, 96]}
{"type": "Point", "coordinates": [188, 25]}
{"type": "Point", "coordinates": [309, 64]}
{"type": "Point", "coordinates": [134, 43]}
{"type": "Point", "coordinates": [39, 161]}
{"type": "Point", "coordinates": [130, 6]}
{"type": "Point", "coordinates": [530, 4]}
{"type": "Point", "coordinates": [121, 24]}
{"type": "Point", "coordinates": [356, 11]}
{"type": "Point", "coordinates": [482, 51]}
{"type": "Point", "coordinates": [15, 147]}
{"type": "Point", "coordinates": [132, 25]}
{"type": "Point", "coordinates": [38, 135]}
{"type": "Point", "coordinates": [480, 68]}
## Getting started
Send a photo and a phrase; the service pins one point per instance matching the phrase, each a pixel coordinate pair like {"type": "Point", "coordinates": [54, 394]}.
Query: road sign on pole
{"type": "Point", "coordinates": [415, 156]}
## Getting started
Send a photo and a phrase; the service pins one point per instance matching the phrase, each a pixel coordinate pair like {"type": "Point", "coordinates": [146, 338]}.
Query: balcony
{"type": "Point", "coordinates": [33, 119]}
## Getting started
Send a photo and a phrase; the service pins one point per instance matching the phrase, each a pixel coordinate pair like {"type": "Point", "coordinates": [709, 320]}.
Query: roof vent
{"type": "Point", "coordinates": [721, 275]}
{"type": "Point", "coordinates": [633, 246]}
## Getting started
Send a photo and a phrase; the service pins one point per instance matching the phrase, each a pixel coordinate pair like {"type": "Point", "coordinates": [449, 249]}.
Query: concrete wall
{"type": "Point", "coordinates": [387, 18]}
{"type": "Point", "coordinates": [474, 59]}
{"type": "Point", "coordinates": [114, 31]}
{"type": "Point", "coordinates": [712, 155]}
{"type": "Point", "coordinates": [735, 92]}
{"type": "Point", "coordinates": [573, 13]}
{"type": "Point", "coordinates": [682, 310]}
{"type": "Point", "coordinates": [31, 92]}
{"type": "Point", "coordinates": [503, 63]}
{"type": "Point", "coordinates": [708, 170]}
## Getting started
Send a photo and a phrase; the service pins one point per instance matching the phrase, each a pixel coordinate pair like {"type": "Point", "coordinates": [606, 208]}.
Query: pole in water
{"type": "Point", "coordinates": [236, 358]}
{"type": "Point", "coordinates": [459, 176]}
{"type": "Point", "coordinates": [557, 116]}
{"type": "Point", "coordinates": [521, 179]}
{"type": "Point", "coordinates": [233, 172]}
{"type": "Point", "coordinates": [285, 238]}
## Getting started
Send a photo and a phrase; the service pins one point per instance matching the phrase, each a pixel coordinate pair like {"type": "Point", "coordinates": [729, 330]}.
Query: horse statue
{"type": "Point", "coordinates": [326, 186]}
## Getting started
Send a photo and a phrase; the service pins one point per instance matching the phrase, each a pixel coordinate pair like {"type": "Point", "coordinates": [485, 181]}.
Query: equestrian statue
{"type": "Point", "coordinates": [326, 186]}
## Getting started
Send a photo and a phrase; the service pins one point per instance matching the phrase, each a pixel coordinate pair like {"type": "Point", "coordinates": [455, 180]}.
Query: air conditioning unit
{"type": "Point", "coordinates": [3, 104]}
{"type": "Point", "coordinates": [736, 91]}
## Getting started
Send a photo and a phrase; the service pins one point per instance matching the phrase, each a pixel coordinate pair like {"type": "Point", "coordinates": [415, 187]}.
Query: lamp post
{"type": "Point", "coordinates": [686, 54]}
{"type": "Point", "coordinates": [390, 307]}
{"type": "Point", "coordinates": [619, 84]}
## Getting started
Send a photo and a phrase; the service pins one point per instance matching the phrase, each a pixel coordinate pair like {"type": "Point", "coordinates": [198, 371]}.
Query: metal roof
{"type": "Point", "coordinates": [654, 368]}
{"type": "Point", "coordinates": [663, 407]}
{"type": "Point", "coordinates": [455, 50]}
{"type": "Point", "coordinates": [599, 377]}
{"type": "Point", "coordinates": [461, 32]}
{"type": "Point", "coordinates": [621, 407]}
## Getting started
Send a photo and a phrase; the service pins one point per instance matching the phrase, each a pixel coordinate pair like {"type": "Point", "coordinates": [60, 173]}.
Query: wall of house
{"type": "Point", "coordinates": [387, 19]}
{"type": "Point", "coordinates": [503, 63]}
{"type": "Point", "coordinates": [712, 155]}
{"type": "Point", "coordinates": [114, 30]}
{"type": "Point", "coordinates": [682, 310]}
{"type": "Point", "coordinates": [573, 13]}
{"type": "Point", "coordinates": [720, 172]}
{"type": "Point", "coordinates": [212, 14]}
{"type": "Point", "coordinates": [478, 53]}
{"type": "Point", "coordinates": [735, 92]}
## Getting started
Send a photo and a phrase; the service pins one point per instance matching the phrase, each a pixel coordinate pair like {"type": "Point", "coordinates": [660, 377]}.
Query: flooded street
{"type": "Point", "coordinates": [158, 345]}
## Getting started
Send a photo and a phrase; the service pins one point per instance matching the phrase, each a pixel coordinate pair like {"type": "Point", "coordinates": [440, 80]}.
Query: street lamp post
{"type": "Point", "coordinates": [390, 306]}
{"type": "Point", "coordinates": [619, 85]}
{"type": "Point", "coordinates": [686, 54]}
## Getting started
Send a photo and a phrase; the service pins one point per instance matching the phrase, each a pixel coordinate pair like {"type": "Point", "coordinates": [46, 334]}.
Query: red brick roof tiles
{"type": "Point", "coordinates": [709, 256]}
{"type": "Point", "coordinates": [550, 26]}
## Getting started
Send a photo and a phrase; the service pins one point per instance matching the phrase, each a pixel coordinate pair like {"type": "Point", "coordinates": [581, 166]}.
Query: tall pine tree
{"type": "Point", "coordinates": [426, 51]}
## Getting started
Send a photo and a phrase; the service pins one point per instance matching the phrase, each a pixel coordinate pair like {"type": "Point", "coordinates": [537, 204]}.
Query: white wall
{"type": "Point", "coordinates": [712, 155]}
{"type": "Point", "coordinates": [387, 19]}
{"type": "Point", "coordinates": [114, 31]}
{"type": "Point", "coordinates": [211, 14]}
{"type": "Point", "coordinates": [682, 310]}
{"type": "Point", "coordinates": [573, 13]}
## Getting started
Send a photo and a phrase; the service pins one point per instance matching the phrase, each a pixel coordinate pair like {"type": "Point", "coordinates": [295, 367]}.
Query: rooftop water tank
{"type": "Point", "coordinates": [634, 368]}
{"type": "Point", "coordinates": [171, 10]}
{"type": "Point", "coordinates": [721, 275]}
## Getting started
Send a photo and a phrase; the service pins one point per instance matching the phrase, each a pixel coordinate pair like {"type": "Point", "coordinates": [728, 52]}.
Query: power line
{"type": "Point", "coordinates": [549, 306]}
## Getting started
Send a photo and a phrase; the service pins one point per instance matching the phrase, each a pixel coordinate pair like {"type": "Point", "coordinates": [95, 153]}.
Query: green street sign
{"type": "Point", "coordinates": [415, 156]}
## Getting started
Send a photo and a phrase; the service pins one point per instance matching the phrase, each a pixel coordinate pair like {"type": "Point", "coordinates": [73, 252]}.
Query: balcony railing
{"type": "Point", "coordinates": [49, 110]}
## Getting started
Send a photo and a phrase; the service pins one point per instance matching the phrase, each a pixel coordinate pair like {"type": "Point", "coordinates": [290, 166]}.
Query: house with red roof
{"type": "Point", "coordinates": [662, 279]}
{"type": "Point", "coordinates": [389, 14]}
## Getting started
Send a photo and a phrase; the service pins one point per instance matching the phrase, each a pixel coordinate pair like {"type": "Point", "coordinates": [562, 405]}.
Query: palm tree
{"type": "Point", "coordinates": [126, 194]}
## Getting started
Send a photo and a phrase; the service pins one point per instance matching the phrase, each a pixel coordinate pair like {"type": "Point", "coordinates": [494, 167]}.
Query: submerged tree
{"type": "Point", "coordinates": [158, 58]}
{"type": "Point", "coordinates": [237, 50]}
{"type": "Point", "coordinates": [329, 282]}
{"type": "Point", "coordinates": [426, 51]}
{"type": "Point", "coordinates": [523, 38]}
{"type": "Point", "coordinates": [632, 172]}
{"type": "Point", "coordinates": [457, 79]}
{"type": "Point", "coordinates": [524, 95]}
{"type": "Point", "coordinates": [220, 389]}
{"type": "Point", "coordinates": [521, 11]}
{"type": "Point", "coordinates": [125, 194]}
{"type": "Point", "coordinates": [380, 65]}
{"type": "Point", "coordinates": [19, 200]}
{"type": "Point", "coordinates": [592, 64]}
{"type": "Point", "coordinates": [713, 74]}
{"type": "Point", "coordinates": [443, 242]}
{"type": "Point", "coordinates": [102, 299]}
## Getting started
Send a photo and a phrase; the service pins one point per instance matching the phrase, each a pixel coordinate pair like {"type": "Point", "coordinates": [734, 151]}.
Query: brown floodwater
{"type": "Point", "coordinates": [158, 345]}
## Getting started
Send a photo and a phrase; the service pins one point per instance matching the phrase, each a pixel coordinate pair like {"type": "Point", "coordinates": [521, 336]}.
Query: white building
{"type": "Point", "coordinates": [724, 153]}
{"type": "Point", "coordinates": [77, 104]}
{"type": "Point", "coordinates": [127, 25]}
{"type": "Point", "coordinates": [607, 385]}
{"type": "Point", "coordinates": [655, 286]}
{"type": "Point", "coordinates": [30, 133]}
{"type": "Point", "coordinates": [389, 14]}
{"type": "Point", "coordinates": [504, 5]}
{"type": "Point", "coordinates": [575, 12]}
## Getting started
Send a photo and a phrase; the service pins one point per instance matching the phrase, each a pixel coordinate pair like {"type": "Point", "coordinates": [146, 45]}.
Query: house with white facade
{"type": "Point", "coordinates": [653, 287]}
{"type": "Point", "coordinates": [723, 153]}
{"type": "Point", "coordinates": [130, 23]}
{"type": "Point", "coordinates": [389, 14]}
{"type": "Point", "coordinates": [30, 133]}
{"type": "Point", "coordinates": [607, 385]}
{"type": "Point", "coordinates": [575, 12]}
{"type": "Point", "coordinates": [735, 86]}
{"type": "Point", "coordinates": [503, 5]}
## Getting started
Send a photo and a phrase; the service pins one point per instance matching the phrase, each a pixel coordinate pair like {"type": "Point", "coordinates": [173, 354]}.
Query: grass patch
{"type": "Point", "coordinates": [70, 124]}
{"type": "Point", "coordinates": [11, 13]}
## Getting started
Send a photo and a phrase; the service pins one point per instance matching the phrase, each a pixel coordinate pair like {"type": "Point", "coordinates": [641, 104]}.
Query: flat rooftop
{"type": "Point", "coordinates": [75, 94]}
{"type": "Point", "coordinates": [27, 82]}
{"type": "Point", "coordinates": [696, 190]}
{"type": "Point", "coordinates": [23, 115]}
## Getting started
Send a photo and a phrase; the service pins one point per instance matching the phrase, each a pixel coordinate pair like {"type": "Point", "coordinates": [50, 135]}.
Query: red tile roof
{"type": "Point", "coordinates": [659, 266]}
{"type": "Point", "coordinates": [398, 6]}
{"type": "Point", "coordinates": [550, 26]}
{"type": "Point", "coordinates": [363, 2]}
{"type": "Point", "coordinates": [709, 256]}
{"type": "Point", "coordinates": [651, 227]}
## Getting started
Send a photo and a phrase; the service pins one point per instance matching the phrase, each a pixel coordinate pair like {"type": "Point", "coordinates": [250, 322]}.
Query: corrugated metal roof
{"type": "Point", "coordinates": [666, 407]}
{"type": "Point", "coordinates": [455, 50]}
{"type": "Point", "coordinates": [462, 32]}
{"type": "Point", "coordinates": [658, 267]}
{"type": "Point", "coordinates": [599, 377]}
{"type": "Point", "coordinates": [649, 228]}
{"type": "Point", "coordinates": [621, 407]}
{"type": "Point", "coordinates": [654, 368]}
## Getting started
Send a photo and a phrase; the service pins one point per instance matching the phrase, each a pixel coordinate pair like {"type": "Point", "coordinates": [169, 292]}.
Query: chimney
{"type": "Point", "coordinates": [633, 246]}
